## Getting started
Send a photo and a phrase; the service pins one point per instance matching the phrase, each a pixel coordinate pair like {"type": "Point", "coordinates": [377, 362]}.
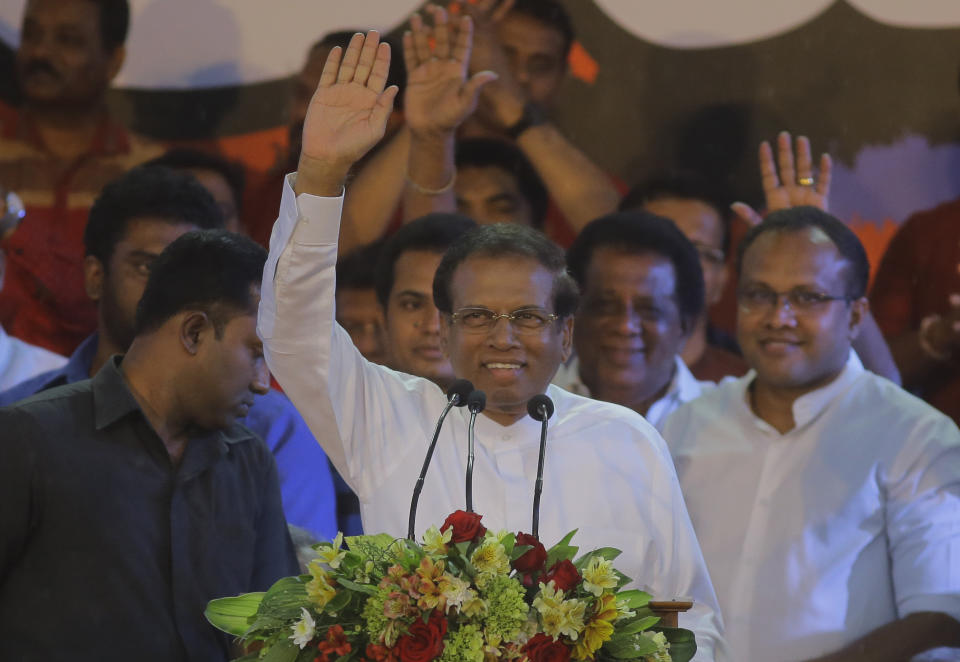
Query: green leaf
{"type": "Point", "coordinates": [683, 645]}
{"type": "Point", "coordinates": [608, 553]}
{"type": "Point", "coordinates": [634, 598]}
{"type": "Point", "coordinates": [360, 588]}
{"type": "Point", "coordinates": [629, 647]}
{"type": "Point", "coordinates": [234, 615]}
{"type": "Point", "coordinates": [508, 542]}
{"type": "Point", "coordinates": [518, 551]}
{"type": "Point", "coordinates": [338, 602]}
{"type": "Point", "coordinates": [281, 604]}
{"type": "Point", "coordinates": [282, 651]}
{"type": "Point", "coordinates": [638, 625]}
{"type": "Point", "coordinates": [563, 550]}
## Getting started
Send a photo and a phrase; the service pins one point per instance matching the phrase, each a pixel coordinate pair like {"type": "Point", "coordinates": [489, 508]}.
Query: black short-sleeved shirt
{"type": "Point", "coordinates": [109, 552]}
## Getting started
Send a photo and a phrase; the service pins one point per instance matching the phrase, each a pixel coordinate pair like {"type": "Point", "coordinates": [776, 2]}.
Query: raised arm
{"type": "Point", "coordinates": [581, 190]}
{"type": "Point", "coordinates": [794, 185]}
{"type": "Point", "coordinates": [334, 388]}
{"type": "Point", "coordinates": [437, 99]}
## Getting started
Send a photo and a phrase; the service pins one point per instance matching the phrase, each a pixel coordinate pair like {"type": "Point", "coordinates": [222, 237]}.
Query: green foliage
{"type": "Point", "coordinates": [563, 550]}
{"type": "Point", "coordinates": [683, 645]}
{"type": "Point", "coordinates": [234, 615]}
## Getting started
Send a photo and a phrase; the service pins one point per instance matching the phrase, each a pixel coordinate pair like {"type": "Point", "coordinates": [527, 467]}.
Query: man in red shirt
{"type": "Point", "coordinates": [56, 153]}
{"type": "Point", "coordinates": [916, 300]}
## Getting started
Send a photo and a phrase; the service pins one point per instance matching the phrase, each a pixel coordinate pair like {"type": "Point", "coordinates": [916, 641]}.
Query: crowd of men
{"type": "Point", "coordinates": [777, 472]}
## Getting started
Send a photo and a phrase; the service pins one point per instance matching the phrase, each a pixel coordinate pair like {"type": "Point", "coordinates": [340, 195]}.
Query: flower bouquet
{"type": "Point", "coordinates": [465, 594]}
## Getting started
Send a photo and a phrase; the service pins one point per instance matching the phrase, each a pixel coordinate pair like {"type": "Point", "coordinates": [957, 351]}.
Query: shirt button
{"type": "Point", "coordinates": [506, 437]}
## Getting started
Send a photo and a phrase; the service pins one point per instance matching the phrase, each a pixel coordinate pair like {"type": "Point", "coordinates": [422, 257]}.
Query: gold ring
{"type": "Point", "coordinates": [805, 181]}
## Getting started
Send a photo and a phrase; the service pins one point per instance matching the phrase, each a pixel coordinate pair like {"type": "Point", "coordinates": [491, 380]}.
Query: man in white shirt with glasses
{"type": "Point", "coordinates": [826, 498]}
{"type": "Point", "coordinates": [506, 307]}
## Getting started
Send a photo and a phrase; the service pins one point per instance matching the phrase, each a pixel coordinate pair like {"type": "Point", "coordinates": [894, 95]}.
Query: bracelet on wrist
{"type": "Point", "coordinates": [431, 191]}
{"type": "Point", "coordinates": [925, 346]}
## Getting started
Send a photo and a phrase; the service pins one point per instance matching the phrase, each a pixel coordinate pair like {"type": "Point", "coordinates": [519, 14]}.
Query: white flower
{"type": "Point", "coordinates": [304, 629]}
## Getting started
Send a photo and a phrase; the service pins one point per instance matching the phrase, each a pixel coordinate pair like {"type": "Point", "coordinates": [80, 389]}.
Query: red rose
{"type": "Point", "coordinates": [466, 526]}
{"type": "Point", "coordinates": [564, 575]}
{"type": "Point", "coordinates": [532, 560]}
{"type": "Point", "coordinates": [542, 648]}
{"type": "Point", "coordinates": [423, 641]}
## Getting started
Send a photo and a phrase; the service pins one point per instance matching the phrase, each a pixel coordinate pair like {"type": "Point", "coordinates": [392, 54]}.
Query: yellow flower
{"type": "Point", "coordinates": [598, 630]}
{"type": "Point", "coordinates": [549, 597]}
{"type": "Point", "coordinates": [599, 575]}
{"type": "Point", "coordinates": [320, 589]}
{"type": "Point", "coordinates": [332, 555]}
{"type": "Point", "coordinates": [491, 558]}
{"type": "Point", "coordinates": [435, 542]}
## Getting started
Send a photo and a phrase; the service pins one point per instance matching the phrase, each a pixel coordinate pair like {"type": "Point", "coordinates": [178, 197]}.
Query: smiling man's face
{"type": "Point", "coordinates": [793, 349]}
{"type": "Point", "coordinates": [510, 366]}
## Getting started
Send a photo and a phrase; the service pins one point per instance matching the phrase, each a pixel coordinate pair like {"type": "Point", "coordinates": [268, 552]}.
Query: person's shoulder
{"type": "Point", "coordinates": [578, 414]}
{"type": "Point", "coordinates": [712, 406]}
{"type": "Point", "coordinates": [892, 408]}
{"type": "Point", "coordinates": [60, 407]}
{"type": "Point", "coordinates": [928, 221]}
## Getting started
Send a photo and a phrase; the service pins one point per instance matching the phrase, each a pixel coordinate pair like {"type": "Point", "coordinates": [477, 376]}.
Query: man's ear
{"type": "Point", "coordinates": [859, 308]}
{"type": "Point", "coordinates": [115, 62]}
{"type": "Point", "coordinates": [566, 337]}
{"type": "Point", "coordinates": [94, 274]}
{"type": "Point", "coordinates": [195, 328]}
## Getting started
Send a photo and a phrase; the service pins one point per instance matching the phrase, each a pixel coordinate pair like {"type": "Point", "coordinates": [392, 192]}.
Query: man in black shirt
{"type": "Point", "coordinates": [130, 500]}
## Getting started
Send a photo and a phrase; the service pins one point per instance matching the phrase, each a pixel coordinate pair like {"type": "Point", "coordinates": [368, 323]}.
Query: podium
{"type": "Point", "coordinates": [669, 611]}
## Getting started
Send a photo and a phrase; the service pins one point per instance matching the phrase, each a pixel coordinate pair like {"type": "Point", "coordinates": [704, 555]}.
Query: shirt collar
{"type": "Point", "coordinates": [810, 405]}
{"type": "Point", "coordinates": [684, 384]}
{"type": "Point", "coordinates": [110, 139]}
{"type": "Point", "coordinates": [112, 400]}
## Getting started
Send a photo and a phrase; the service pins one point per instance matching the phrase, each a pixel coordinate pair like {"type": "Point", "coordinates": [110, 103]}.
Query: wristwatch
{"type": "Point", "coordinates": [533, 115]}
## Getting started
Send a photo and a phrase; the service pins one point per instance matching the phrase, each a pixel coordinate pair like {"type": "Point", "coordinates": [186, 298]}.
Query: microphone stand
{"type": "Point", "coordinates": [475, 403]}
{"type": "Point", "coordinates": [456, 398]}
{"type": "Point", "coordinates": [538, 486]}
{"type": "Point", "coordinates": [540, 407]}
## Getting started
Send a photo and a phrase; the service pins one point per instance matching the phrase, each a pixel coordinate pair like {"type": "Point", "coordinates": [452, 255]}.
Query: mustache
{"type": "Point", "coordinates": [39, 66]}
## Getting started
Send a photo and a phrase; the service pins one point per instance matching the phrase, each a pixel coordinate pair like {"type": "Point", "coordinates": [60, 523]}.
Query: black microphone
{"type": "Point", "coordinates": [540, 408]}
{"type": "Point", "coordinates": [456, 397]}
{"type": "Point", "coordinates": [476, 401]}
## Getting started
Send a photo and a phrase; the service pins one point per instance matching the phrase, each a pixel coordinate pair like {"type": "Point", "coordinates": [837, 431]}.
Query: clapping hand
{"type": "Point", "coordinates": [438, 96]}
{"type": "Point", "coordinates": [795, 185]}
{"type": "Point", "coordinates": [349, 110]}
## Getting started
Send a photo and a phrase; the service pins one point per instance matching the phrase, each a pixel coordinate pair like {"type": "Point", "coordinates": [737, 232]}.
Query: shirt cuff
{"type": "Point", "coordinates": [319, 217]}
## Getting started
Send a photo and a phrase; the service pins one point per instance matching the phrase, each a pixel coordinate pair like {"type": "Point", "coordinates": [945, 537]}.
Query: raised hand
{"type": "Point", "coordinates": [795, 184]}
{"type": "Point", "coordinates": [501, 103]}
{"type": "Point", "coordinates": [348, 113]}
{"type": "Point", "coordinates": [438, 96]}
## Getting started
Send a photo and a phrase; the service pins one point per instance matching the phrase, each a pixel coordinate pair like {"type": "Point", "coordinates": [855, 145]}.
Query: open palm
{"type": "Point", "coordinates": [348, 113]}
{"type": "Point", "coordinates": [438, 96]}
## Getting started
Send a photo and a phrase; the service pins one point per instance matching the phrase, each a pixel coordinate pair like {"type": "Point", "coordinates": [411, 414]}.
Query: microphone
{"type": "Point", "coordinates": [540, 408]}
{"type": "Point", "coordinates": [476, 401]}
{"type": "Point", "coordinates": [456, 397]}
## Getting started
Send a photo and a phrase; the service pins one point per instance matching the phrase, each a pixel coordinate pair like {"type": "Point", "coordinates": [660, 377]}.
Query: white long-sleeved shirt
{"type": "Point", "coordinates": [19, 361]}
{"type": "Point", "coordinates": [607, 471]}
{"type": "Point", "coordinates": [818, 536]}
{"type": "Point", "coordinates": [683, 388]}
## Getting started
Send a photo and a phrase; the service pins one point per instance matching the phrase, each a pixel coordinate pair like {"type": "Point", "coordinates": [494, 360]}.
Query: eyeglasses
{"type": "Point", "coordinates": [709, 253]}
{"type": "Point", "coordinates": [800, 300]}
{"type": "Point", "coordinates": [523, 320]}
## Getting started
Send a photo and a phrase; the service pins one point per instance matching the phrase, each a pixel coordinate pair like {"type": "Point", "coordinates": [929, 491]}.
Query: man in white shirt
{"type": "Point", "coordinates": [20, 360]}
{"type": "Point", "coordinates": [642, 290]}
{"type": "Point", "coordinates": [827, 499]}
{"type": "Point", "coordinates": [607, 471]}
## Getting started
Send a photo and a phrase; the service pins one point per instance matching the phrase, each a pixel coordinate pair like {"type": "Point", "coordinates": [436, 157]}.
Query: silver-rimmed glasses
{"type": "Point", "coordinates": [483, 320]}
